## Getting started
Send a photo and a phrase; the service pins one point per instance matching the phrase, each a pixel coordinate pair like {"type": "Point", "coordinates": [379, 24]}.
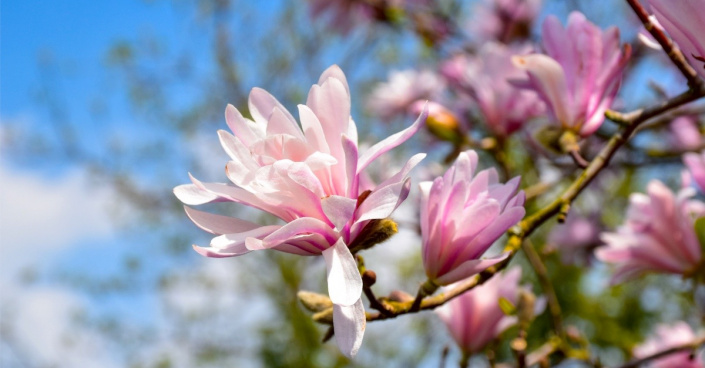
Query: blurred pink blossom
{"type": "Point", "coordinates": [658, 234]}
{"type": "Point", "coordinates": [309, 179]}
{"type": "Point", "coordinates": [396, 96]}
{"type": "Point", "coordinates": [576, 237]}
{"type": "Point", "coordinates": [462, 214]}
{"type": "Point", "coordinates": [683, 20]}
{"type": "Point", "coordinates": [344, 15]}
{"type": "Point", "coordinates": [484, 77]}
{"type": "Point", "coordinates": [666, 337]}
{"type": "Point", "coordinates": [580, 74]}
{"type": "Point", "coordinates": [696, 165]}
{"type": "Point", "coordinates": [504, 20]}
{"type": "Point", "coordinates": [475, 318]}
{"type": "Point", "coordinates": [685, 133]}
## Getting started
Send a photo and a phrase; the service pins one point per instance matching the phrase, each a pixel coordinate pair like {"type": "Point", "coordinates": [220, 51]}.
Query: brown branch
{"type": "Point", "coordinates": [693, 345]}
{"type": "Point", "coordinates": [667, 44]}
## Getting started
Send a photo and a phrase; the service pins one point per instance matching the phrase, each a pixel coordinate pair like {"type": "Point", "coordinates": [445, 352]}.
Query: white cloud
{"type": "Point", "coordinates": [41, 215]}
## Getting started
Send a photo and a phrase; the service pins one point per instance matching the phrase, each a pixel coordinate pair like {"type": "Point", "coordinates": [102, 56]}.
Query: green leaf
{"type": "Point", "coordinates": [507, 307]}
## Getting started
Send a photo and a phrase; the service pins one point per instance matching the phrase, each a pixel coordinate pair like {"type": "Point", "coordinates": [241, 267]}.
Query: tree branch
{"type": "Point", "coordinates": [693, 345]}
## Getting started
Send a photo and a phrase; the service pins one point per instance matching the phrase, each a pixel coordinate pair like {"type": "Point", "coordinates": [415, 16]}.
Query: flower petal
{"type": "Point", "coordinates": [470, 268]}
{"type": "Point", "coordinates": [349, 323]}
{"type": "Point", "coordinates": [339, 210]}
{"type": "Point", "coordinates": [218, 224]}
{"type": "Point", "coordinates": [344, 281]}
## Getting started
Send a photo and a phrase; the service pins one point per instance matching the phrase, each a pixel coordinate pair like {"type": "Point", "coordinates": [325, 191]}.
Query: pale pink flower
{"type": "Point", "coordinates": [658, 234]}
{"type": "Point", "coordinates": [576, 237]}
{"type": "Point", "coordinates": [475, 318]}
{"type": "Point", "coordinates": [580, 74]}
{"type": "Point", "coordinates": [396, 96]}
{"type": "Point", "coordinates": [344, 15]}
{"type": "Point", "coordinates": [504, 20]}
{"type": "Point", "coordinates": [484, 77]}
{"type": "Point", "coordinates": [685, 133]}
{"type": "Point", "coordinates": [462, 214]}
{"type": "Point", "coordinates": [696, 165]}
{"type": "Point", "coordinates": [308, 178]}
{"type": "Point", "coordinates": [683, 20]}
{"type": "Point", "coordinates": [666, 337]}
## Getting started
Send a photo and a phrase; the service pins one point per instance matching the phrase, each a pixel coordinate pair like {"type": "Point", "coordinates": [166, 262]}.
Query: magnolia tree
{"type": "Point", "coordinates": [533, 132]}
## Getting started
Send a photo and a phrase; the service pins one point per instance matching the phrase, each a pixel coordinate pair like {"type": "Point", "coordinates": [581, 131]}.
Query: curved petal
{"type": "Point", "coordinates": [470, 268]}
{"type": "Point", "coordinates": [218, 224]}
{"type": "Point", "coordinates": [293, 230]}
{"type": "Point", "coordinates": [349, 323]}
{"type": "Point", "coordinates": [339, 210]}
{"type": "Point", "coordinates": [392, 141]}
{"type": "Point", "coordinates": [344, 281]}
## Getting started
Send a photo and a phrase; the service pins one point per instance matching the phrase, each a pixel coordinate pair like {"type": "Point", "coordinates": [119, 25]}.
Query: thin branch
{"type": "Point", "coordinates": [692, 346]}
{"type": "Point", "coordinates": [667, 44]}
{"type": "Point", "coordinates": [554, 308]}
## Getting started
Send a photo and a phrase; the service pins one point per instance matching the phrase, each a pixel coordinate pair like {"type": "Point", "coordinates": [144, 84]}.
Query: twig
{"type": "Point", "coordinates": [673, 52]}
{"type": "Point", "coordinates": [554, 308]}
{"type": "Point", "coordinates": [693, 345]}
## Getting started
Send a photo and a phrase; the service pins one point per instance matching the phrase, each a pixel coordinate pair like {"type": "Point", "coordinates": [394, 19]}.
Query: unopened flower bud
{"type": "Point", "coordinates": [525, 308]}
{"type": "Point", "coordinates": [313, 301]}
{"type": "Point", "coordinates": [325, 316]}
{"type": "Point", "coordinates": [375, 232]}
{"type": "Point", "coordinates": [400, 296]}
{"type": "Point", "coordinates": [369, 278]}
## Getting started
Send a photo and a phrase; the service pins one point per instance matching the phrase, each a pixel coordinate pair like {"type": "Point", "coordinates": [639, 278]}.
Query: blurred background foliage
{"type": "Point", "coordinates": [151, 117]}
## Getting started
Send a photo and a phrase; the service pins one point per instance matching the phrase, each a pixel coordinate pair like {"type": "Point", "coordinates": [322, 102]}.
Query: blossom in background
{"type": "Point", "coordinates": [683, 20]}
{"type": "Point", "coordinates": [696, 165]}
{"type": "Point", "coordinates": [576, 237]}
{"type": "Point", "coordinates": [580, 74]}
{"type": "Point", "coordinates": [344, 14]}
{"type": "Point", "coordinates": [484, 77]}
{"type": "Point", "coordinates": [475, 318]}
{"type": "Point", "coordinates": [462, 214]}
{"type": "Point", "coordinates": [308, 178]}
{"type": "Point", "coordinates": [441, 122]}
{"type": "Point", "coordinates": [504, 20]}
{"type": "Point", "coordinates": [666, 337]}
{"type": "Point", "coordinates": [397, 95]}
{"type": "Point", "coordinates": [658, 234]}
{"type": "Point", "coordinates": [685, 133]}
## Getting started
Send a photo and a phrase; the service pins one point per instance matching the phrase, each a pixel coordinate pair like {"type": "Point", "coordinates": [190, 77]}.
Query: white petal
{"type": "Point", "coordinates": [339, 210]}
{"type": "Point", "coordinates": [349, 323]}
{"type": "Point", "coordinates": [344, 281]}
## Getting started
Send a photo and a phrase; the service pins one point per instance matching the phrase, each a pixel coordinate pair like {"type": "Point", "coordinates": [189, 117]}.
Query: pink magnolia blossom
{"type": "Point", "coordinates": [484, 77]}
{"type": "Point", "coordinates": [683, 20]}
{"type": "Point", "coordinates": [475, 318]}
{"type": "Point", "coordinates": [666, 337]}
{"type": "Point", "coordinates": [396, 96]}
{"type": "Point", "coordinates": [685, 133]}
{"type": "Point", "coordinates": [504, 20]}
{"type": "Point", "coordinates": [309, 177]}
{"type": "Point", "coordinates": [344, 15]}
{"type": "Point", "coordinates": [658, 234]}
{"type": "Point", "coordinates": [580, 74]}
{"type": "Point", "coordinates": [575, 238]}
{"type": "Point", "coordinates": [696, 165]}
{"type": "Point", "coordinates": [462, 214]}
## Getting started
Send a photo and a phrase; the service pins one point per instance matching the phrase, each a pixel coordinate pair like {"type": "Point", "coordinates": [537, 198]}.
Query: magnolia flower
{"type": "Point", "coordinates": [683, 20]}
{"type": "Point", "coordinates": [475, 318]}
{"type": "Point", "coordinates": [308, 177]}
{"type": "Point", "coordinates": [667, 337]}
{"type": "Point", "coordinates": [504, 20]}
{"type": "Point", "coordinates": [685, 133]}
{"type": "Point", "coordinates": [462, 214]}
{"type": "Point", "coordinates": [344, 14]}
{"type": "Point", "coordinates": [484, 78]}
{"type": "Point", "coordinates": [580, 74]}
{"type": "Point", "coordinates": [397, 96]}
{"type": "Point", "coordinates": [696, 164]}
{"type": "Point", "coordinates": [576, 237]}
{"type": "Point", "coordinates": [657, 236]}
